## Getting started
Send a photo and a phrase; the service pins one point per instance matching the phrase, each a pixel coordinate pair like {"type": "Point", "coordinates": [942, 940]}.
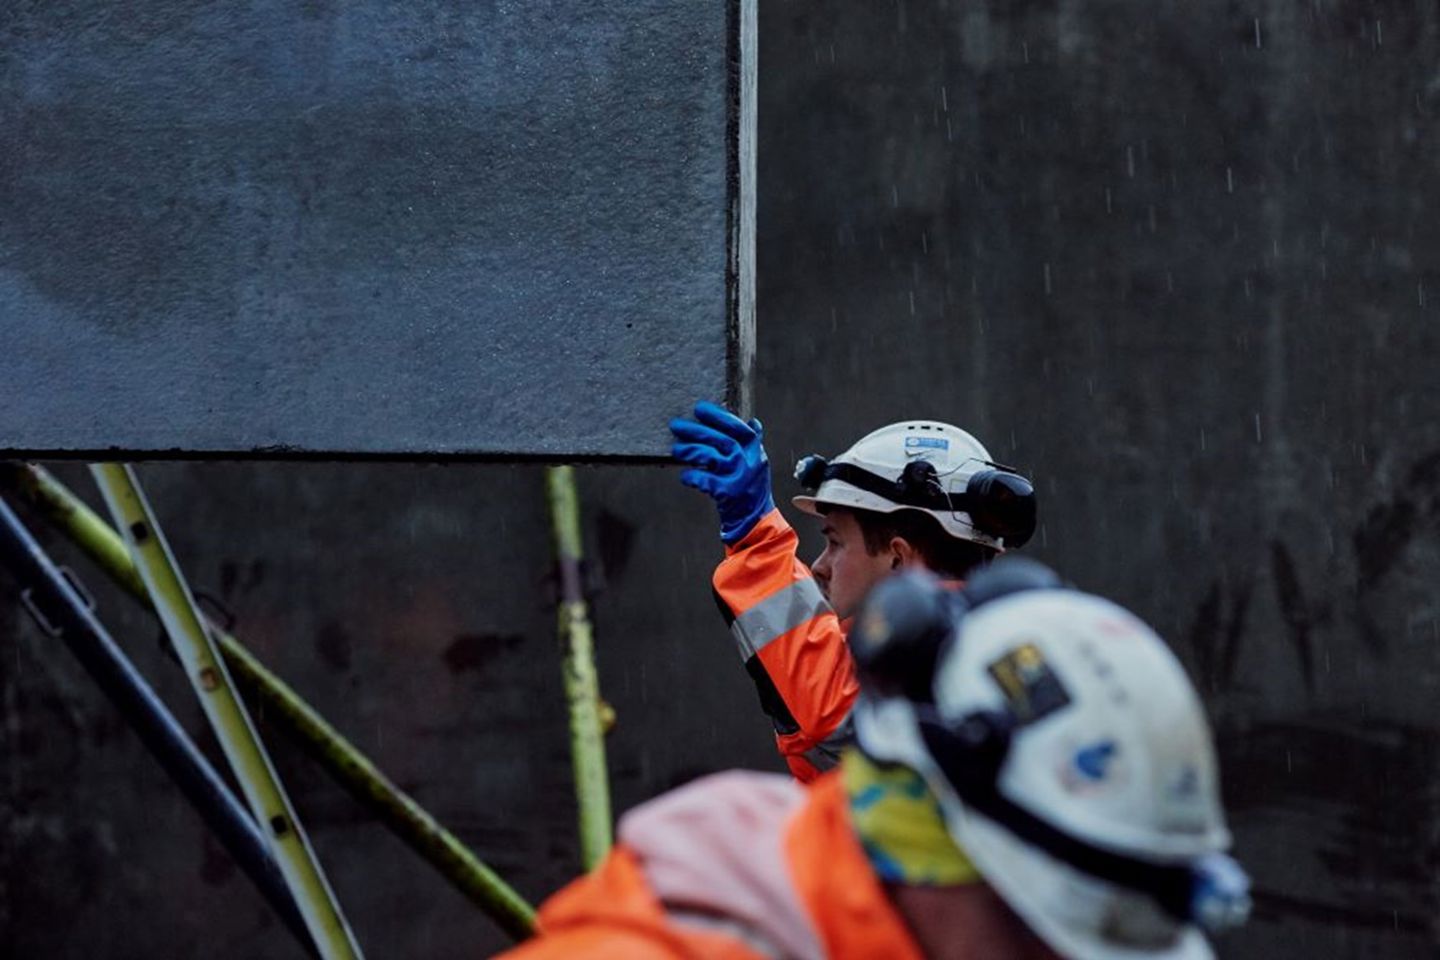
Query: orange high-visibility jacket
{"type": "Point", "coordinates": [792, 643]}
{"type": "Point", "coordinates": [737, 866]}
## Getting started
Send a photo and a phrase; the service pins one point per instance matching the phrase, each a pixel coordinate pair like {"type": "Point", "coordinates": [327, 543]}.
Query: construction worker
{"type": "Point", "coordinates": [1033, 778]}
{"type": "Point", "coordinates": [917, 494]}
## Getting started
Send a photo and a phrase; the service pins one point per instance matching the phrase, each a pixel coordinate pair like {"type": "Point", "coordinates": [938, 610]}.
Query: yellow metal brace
{"type": "Point", "coordinates": [354, 771]}
{"type": "Point", "coordinates": [582, 684]}
{"type": "Point", "coordinates": [231, 723]}
{"type": "Point", "coordinates": [357, 773]}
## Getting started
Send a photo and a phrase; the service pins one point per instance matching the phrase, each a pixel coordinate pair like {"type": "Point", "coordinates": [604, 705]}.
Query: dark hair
{"type": "Point", "coordinates": [945, 555]}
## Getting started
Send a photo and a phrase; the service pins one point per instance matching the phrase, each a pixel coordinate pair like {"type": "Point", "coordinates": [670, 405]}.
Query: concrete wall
{"type": "Point", "coordinates": [1184, 278]}
{"type": "Point", "coordinates": [1179, 261]}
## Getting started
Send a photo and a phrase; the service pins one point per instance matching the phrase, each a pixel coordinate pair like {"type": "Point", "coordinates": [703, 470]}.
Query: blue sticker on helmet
{"type": "Point", "coordinates": [933, 443]}
{"type": "Point", "coordinates": [1093, 761]}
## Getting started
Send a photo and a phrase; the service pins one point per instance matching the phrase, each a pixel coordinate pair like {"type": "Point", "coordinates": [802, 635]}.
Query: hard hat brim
{"type": "Point", "coordinates": [838, 493]}
{"type": "Point", "coordinates": [806, 504]}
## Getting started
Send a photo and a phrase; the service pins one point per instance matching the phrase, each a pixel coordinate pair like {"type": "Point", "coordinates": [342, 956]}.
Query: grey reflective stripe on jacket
{"type": "Point", "coordinates": [826, 754]}
{"type": "Point", "coordinates": [777, 615]}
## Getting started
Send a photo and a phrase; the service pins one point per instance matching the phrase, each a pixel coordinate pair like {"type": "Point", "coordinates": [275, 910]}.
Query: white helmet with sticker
{"type": "Point", "coordinates": [929, 466]}
{"type": "Point", "coordinates": [1071, 758]}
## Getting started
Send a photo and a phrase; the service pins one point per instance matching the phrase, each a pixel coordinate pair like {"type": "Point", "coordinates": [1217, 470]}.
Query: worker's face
{"type": "Point", "coordinates": [844, 570]}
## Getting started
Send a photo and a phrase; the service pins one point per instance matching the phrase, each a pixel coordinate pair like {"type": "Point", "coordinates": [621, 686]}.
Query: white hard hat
{"type": "Point", "coordinates": [1071, 758]}
{"type": "Point", "coordinates": [929, 466]}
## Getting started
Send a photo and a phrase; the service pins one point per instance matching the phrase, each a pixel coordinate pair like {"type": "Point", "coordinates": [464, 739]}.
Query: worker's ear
{"type": "Point", "coordinates": [902, 554]}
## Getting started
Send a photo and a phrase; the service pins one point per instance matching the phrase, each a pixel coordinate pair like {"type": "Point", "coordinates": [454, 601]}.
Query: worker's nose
{"type": "Point", "coordinates": [821, 567]}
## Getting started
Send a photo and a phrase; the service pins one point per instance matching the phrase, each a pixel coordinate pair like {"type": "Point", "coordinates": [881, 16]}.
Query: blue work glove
{"type": "Point", "coordinates": [728, 463]}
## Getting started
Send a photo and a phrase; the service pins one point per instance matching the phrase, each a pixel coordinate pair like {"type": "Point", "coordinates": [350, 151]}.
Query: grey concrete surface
{"type": "Point", "coordinates": [424, 229]}
{"type": "Point", "coordinates": [1179, 261]}
{"type": "Point", "coordinates": [1223, 384]}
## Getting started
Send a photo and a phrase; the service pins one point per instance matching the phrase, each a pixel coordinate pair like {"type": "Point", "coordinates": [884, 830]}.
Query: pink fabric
{"type": "Point", "coordinates": [716, 847]}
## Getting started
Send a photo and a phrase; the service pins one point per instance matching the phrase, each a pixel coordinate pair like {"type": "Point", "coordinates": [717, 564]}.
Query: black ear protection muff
{"type": "Point", "coordinates": [903, 629]}
{"type": "Point", "coordinates": [1006, 576]}
{"type": "Point", "coordinates": [900, 632]}
{"type": "Point", "coordinates": [1000, 502]}
{"type": "Point", "coordinates": [908, 619]}
{"type": "Point", "coordinates": [972, 751]}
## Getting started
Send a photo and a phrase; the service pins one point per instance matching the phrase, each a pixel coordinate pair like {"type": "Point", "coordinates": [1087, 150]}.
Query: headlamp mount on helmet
{"type": "Point", "coordinates": [999, 501]}
{"type": "Point", "coordinates": [903, 629]}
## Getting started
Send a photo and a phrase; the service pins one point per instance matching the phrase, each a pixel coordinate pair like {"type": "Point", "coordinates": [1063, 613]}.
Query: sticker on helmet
{"type": "Point", "coordinates": [1030, 686]}
{"type": "Point", "coordinates": [1091, 767]}
{"type": "Point", "coordinates": [924, 446]}
{"type": "Point", "coordinates": [1093, 762]}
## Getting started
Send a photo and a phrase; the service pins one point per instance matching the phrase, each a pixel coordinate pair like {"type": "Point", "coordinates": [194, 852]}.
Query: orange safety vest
{"type": "Point", "coordinates": [792, 644]}
{"type": "Point", "coordinates": [737, 866]}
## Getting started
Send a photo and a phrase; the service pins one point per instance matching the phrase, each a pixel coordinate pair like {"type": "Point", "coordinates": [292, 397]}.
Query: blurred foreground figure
{"type": "Point", "coordinates": [1047, 788]}
{"type": "Point", "coordinates": [912, 495]}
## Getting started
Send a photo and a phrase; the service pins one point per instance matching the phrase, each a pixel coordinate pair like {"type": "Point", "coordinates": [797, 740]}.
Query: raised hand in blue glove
{"type": "Point", "coordinates": [727, 462]}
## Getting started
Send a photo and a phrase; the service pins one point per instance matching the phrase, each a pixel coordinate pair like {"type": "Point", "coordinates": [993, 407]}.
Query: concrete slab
{"type": "Point", "coordinates": [363, 229]}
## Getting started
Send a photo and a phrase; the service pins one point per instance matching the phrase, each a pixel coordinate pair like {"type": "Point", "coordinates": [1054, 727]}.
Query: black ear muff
{"type": "Point", "coordinates": [908, 618]}
{"type": "Point", "coordinates": [1002, 504]}
{"type": "Point", "coordinates": [1006, 576]}
{"type": "Point", "coordinates": [971, 752]}
{"type": "Point", "coordinates": [898, 635]}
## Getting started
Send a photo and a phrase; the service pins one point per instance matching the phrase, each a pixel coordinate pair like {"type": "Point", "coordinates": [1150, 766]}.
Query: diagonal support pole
{"type": "Point", "coordinates": [354, 771]}
{"type": "Point", "coordinates": [227, 715]}
{"type": "Point", "coordinates": [55, 601]}
{"type": "Point", "coordinates": [582, 685]}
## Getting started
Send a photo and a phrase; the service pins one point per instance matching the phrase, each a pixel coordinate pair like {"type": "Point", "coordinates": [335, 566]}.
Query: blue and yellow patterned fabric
{"type": "Point", "coordinates": [900, 825]}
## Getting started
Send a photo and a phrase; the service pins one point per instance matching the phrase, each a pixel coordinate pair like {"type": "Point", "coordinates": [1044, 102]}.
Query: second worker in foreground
{"type": "Point", "coordinates": [1033, 778]}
